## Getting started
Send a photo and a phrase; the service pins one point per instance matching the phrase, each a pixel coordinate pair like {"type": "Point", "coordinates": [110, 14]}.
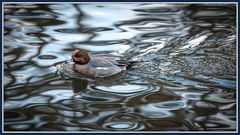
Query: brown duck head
{"type": "Point", "coordinates": [80, 57]}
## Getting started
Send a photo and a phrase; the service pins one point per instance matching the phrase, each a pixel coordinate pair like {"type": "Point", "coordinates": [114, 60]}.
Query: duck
{"type": "Point", "coordinates": [99, 65]}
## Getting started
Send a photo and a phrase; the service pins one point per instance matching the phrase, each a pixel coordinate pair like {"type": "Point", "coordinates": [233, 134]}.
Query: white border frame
{"type": "Point", "coordinates": [236, 3]}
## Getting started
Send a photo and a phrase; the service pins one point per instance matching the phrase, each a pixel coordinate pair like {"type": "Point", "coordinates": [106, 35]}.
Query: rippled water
{"type": "Point", "coordinates": [186, 82]}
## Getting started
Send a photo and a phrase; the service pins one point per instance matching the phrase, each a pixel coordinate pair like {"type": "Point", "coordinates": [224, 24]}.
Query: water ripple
{"type": "Point", "coordinates": [126, 89]}
{"type": "Point", "coordinates": [126, 122]}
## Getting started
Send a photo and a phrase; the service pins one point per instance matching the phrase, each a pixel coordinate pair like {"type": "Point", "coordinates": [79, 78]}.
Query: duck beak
{"type": "Point", "coordinates": [71, 61]}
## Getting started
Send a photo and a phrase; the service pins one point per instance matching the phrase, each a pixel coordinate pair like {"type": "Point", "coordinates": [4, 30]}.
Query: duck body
{"type": "Point", "coordinates": [99, 65]}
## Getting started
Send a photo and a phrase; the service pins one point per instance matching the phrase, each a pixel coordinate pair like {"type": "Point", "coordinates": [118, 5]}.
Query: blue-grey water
{"type": "Point", "coordinates": [185, 82]}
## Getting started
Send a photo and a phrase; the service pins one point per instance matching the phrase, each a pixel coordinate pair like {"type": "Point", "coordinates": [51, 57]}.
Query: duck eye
{"type": "Point", "coordinates": [78, 55]}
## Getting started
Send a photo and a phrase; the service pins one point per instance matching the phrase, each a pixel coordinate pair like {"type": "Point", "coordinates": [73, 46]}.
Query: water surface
{"type": "Point", "coordinates": [186, 82]}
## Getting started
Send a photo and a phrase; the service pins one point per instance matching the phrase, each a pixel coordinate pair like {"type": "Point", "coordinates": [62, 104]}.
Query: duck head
{"type": "Point", "coordinates": [80, 57]}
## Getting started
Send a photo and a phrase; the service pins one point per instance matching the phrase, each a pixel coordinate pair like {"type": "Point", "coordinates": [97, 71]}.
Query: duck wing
{"type": "Point", "coordinates": [100, 67]}
{"type": "Point", "coordinates": [110, 59]}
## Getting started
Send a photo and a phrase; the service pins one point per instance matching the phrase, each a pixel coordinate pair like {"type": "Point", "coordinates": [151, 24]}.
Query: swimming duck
{"type": "Point", "coordinates": [99, 65]}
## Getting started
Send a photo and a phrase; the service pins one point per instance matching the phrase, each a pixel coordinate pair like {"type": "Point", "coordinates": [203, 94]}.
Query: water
{"type": "Point", "coordinates": [186, 82]}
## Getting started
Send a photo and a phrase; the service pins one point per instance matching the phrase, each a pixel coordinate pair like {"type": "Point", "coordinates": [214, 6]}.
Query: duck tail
{"type": "Point", "coordinates": [131, 63]}
{"type": "Point", "coordinates": [126, 63]}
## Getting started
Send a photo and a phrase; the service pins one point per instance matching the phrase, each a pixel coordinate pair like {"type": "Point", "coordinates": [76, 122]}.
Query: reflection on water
{"type": "Point", "coordinates": [185, 82]}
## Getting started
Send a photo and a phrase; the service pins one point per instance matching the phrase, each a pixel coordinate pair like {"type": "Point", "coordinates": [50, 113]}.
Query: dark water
{"type": "Point", "coordinates": [186, 82]}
